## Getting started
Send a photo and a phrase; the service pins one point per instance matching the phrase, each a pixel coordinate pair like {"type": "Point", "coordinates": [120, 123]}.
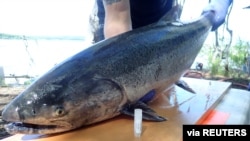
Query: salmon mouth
{"type": "Point", "coordinates": [27, 128]}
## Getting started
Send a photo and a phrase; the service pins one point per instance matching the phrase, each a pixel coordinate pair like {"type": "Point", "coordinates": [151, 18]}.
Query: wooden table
{"type": "Point", "coordinates": [178, 105]}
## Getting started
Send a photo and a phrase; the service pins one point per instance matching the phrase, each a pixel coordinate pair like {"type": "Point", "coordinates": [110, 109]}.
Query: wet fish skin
{"type": "Point", "coordinates": [98, 83]}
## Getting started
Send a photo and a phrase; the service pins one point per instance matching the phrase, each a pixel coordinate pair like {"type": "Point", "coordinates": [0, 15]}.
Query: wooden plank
{"type": "Point", "coordinates": [178, 105]}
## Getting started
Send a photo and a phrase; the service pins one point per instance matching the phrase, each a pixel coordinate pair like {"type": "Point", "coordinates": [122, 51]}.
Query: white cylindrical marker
{"type": "Point", "coordinates": [137, 122]}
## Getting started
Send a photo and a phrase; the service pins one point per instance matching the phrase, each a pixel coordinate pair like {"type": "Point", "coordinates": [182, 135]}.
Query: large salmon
{"type": "Point", "coordinates": [108, 78]}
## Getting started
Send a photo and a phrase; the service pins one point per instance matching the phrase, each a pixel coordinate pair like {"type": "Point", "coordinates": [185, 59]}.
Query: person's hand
{"type": "Point", "coordinates": [220, 9]}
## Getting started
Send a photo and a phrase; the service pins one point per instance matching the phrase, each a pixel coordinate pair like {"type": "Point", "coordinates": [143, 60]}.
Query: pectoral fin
{"type": "Point", "coordinates": [147, 112]}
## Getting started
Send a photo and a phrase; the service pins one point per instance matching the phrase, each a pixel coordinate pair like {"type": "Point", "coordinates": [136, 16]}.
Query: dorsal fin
{"type": "Point", "coordinates": [172, 15]}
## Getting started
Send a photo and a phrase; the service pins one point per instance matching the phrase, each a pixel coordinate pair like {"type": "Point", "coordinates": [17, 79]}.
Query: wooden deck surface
{"type": "Point", "coordinates": [178, 105]}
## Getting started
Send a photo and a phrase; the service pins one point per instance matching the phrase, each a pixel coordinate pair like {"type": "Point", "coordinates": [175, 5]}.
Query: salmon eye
{"type": "Point", "coordinates": [59, 111]}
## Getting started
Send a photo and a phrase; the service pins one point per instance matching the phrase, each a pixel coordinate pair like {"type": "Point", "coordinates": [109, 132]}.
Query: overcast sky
{"type": "Point", "coordinates": [238, 20]}
{"type": "Point", "coordinates": [44, 17]}
{"type": "Point", "coordinates": [70, 17]}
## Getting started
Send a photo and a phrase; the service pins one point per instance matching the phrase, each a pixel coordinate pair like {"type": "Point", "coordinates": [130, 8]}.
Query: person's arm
{"type": "Point", "coordinates": [220, 8]}
{"type": "Point", "coordinates": [117, 18]}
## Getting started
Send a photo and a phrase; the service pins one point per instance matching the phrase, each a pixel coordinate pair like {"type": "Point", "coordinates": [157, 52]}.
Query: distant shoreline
{"type": "Point", "coordinates": [24, 37]}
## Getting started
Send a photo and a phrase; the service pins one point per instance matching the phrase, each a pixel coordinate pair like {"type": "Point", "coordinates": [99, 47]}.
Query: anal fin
{"type": "Point", "coordinates": [147, 112]}
{"type": "Point", "coordinates": [185, 86]}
